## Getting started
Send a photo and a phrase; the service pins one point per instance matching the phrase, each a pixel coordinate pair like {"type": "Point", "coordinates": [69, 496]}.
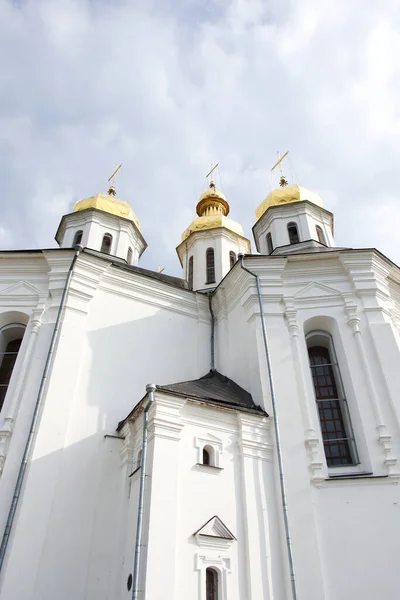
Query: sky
{"type": "Point", "coordinates": [168, 87]}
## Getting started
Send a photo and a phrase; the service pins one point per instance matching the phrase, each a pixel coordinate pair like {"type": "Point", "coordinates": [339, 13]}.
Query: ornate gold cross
{"type": "Point", "coordinates": [210, 174]}
{"type": "Point", "coordinates": [111, 191]}
{"type": "Point", "coordinates": [282, 180]}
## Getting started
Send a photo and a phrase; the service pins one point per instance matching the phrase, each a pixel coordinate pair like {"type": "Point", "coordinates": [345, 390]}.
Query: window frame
{"type": "Point", "coordinates": [77, 242]}
{"type": "Point", "coordinates": [216, 584]}
{"type": "Point", "coordinates": [324, 339]}
{"type": "Point", "coordinates": [110, 237]}
{"type": "Point", "coordinates": [129, 255]}
{"type": "Point", "coordinates": [270, 244]}
{"type": "Point", "coordinates": [320, 235]}
{"type": "Point", "coordinates": [19, 332]}
{"type": "Point", "coordinates": [232, 259]}
{"type": "Point", "coordinates": [210, 266]}
{"type": "Point", "coordinates": [293, 225]}
{"type": "Point", "coordinates": [190, 271]}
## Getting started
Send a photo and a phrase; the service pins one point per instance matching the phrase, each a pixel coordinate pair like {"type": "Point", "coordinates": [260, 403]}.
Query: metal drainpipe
{"type": "Point", "coordinates": [150, 389]}
{"type": "Point", "coordinates": [36, 412]}
{"type": "Point", "coordinates": [277, 434]}
{"type": "Point", "coordinates": [212, 341]}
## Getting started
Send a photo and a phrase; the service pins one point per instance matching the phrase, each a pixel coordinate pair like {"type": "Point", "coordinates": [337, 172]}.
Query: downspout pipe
{"type": "Point", "coordinates": [36, 413]}
{"type": "Point", "coordinates": [150, 389]}
{"type": "Point", "coordinates": [277, 433]}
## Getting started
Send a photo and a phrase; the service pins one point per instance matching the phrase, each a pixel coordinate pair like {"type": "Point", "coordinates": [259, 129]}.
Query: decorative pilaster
{"type": "Point", "coordinates": [312, 439]}
{"type": "Point", "coordinates": [384, 437]}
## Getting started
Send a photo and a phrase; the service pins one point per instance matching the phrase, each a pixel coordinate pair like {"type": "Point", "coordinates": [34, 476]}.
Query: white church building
{"type": "Point", "coordinates": [231, 435]}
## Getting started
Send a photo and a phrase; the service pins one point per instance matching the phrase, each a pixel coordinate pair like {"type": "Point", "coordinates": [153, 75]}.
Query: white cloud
{"type": "Point", "coordinates": [168, 87]}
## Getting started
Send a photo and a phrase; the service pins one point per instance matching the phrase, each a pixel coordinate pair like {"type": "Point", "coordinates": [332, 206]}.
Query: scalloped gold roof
{"type": "Point", "coordinates": [287, 194]}
{"type": "Point", "coordinates": [110, 205]}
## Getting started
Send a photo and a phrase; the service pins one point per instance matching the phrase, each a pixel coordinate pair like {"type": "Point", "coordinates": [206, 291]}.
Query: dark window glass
{"type": "Point", "coordinates": [129, 256]}
{"type": "Point", "coordinates": [210, 266]}
{"type": "Point", "coordinates": [320, 234]}
{"type": "Point", "coordinates": [270, 245]}
{"type": "Point", "coordinates": [206, 457]}
{"type": "Point", "coordinates": [232, 259]}
{"type": "Point", "coordinates": [211, 584]}
{"type": "Point", "coordinates": [7, 358]}
{"type": "Point", "coordinates": [190, 274]}
{"type": "Point", "coordinates": [106, 244]}
{"type": "Point", "coordinates": [77, 238]}
{"type": "Point", "coordinates": [293, 233]}
{"type": "Point", "coordinates": [334, 434]}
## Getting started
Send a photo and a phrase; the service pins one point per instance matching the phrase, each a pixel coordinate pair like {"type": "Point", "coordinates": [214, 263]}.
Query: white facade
{"type": "Point", "coordinates": [226, 245]}
{"type": "Point", "coordinates": [74, 531]}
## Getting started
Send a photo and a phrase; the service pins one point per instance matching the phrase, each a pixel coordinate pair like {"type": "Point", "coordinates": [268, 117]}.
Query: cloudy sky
{"type": "Point", "coordinates": [169, 86]}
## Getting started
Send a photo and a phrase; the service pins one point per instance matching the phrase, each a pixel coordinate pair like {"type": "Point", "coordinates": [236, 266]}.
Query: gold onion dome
{"type": "Point", "coordinates": [212, 209]}
{"type": "Point", "coordinates": [109, 204]}
{"type": "Point", "coordinates": [287, 194]}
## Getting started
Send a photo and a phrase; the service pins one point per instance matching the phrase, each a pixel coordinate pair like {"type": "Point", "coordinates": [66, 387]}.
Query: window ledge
{"type": "Point", "coordinates": [353, 475]}
{"type": "Point", "coordinates": [203, 466]}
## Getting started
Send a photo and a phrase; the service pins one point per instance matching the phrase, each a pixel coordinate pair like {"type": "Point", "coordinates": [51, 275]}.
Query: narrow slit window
{"type": "Point", "coordinates": [320, 234]}
{"type": "Point", "coordinates": [77, 238]}
{"type": "Point", "coordinates": [211, 584]}
{"type": "Point", "coordinates": [334, 416]}
{"type": "Point", "coordinates": [270, 246]}
{"type": "Point", "coordinates": [210, 265]}
{"type": "Point", "coordinates": [206, 457]}
{"type": "Point", "coordinates": [293, 233]}
{"type": "Point", "coordinates": [129, 256]}
{"type": "Point", "coordinates": [232, 258]}
{"type": "Point", "coordinates": [190, 273]}
{"type": "Point", "coordinates": [106, 244]}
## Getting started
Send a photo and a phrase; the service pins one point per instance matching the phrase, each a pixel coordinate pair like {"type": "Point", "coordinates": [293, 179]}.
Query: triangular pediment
{"type": "Point", "coordinates": [316, 290]}
{"type": "Point", "coordinates": [22, 288]}
{"type": "Point", "coordinates": [215, 528]}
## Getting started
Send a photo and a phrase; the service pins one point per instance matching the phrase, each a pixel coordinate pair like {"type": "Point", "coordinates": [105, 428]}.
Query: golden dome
{"type": "Point", "coordinates": [212, 222]}
{"type": "Point", "coordinates": [110, 205]}
{"type": "Point", "coordinates": [287, 194]}
{"type": "Point", "coordinates": [212, 209]}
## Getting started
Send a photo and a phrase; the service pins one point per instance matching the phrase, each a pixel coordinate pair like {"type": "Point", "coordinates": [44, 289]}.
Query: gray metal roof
{"type": "Point", "coordinates": [214, 388]}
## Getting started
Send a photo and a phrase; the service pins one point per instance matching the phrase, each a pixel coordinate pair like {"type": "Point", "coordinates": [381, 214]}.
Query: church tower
{"type": "Point", "coordinates": [211, 243]}
{"type": "Point", "coordinates": [293, 219]}
{"type": "Point", "coordinates": [103, 223]}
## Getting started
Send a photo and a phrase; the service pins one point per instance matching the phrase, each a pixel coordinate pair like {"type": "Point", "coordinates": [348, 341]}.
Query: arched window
{"type": "Point", "coordinates": [232, 258]}
{"type": "Point", "coordinates": [129, 256]}
{"type": "Point", "coordinates": [190, 273]}
{"type": "Point", "coordinates": [320, 234]}
{"type": "Point", "coordinates": [77, 238]}
{"type": "Point", "coordinates": [10, 342]}
{"type": "Point", "coordinates": [270, 245]}
{"type": "Point", "coordinates": [337, 432]}
{"type": "Point", "coordinates": [210, 265]}
{"type": "Point", "coordinates": [293, 233]}
{"type": "Point", "coordinates": [106, 244]}
{"type": "Point", "coordinates": [211, 584]}
{"type": "Point", "coordinates": [209, 456]}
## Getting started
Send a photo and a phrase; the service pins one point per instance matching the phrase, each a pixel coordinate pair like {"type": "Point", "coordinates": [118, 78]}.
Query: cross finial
{"type": "Point", "coordinates": [210, 174]}
{"type": "Point", "coordinates": [282, 181]}
{"type": "Point", "coordinates": [111, 190]}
